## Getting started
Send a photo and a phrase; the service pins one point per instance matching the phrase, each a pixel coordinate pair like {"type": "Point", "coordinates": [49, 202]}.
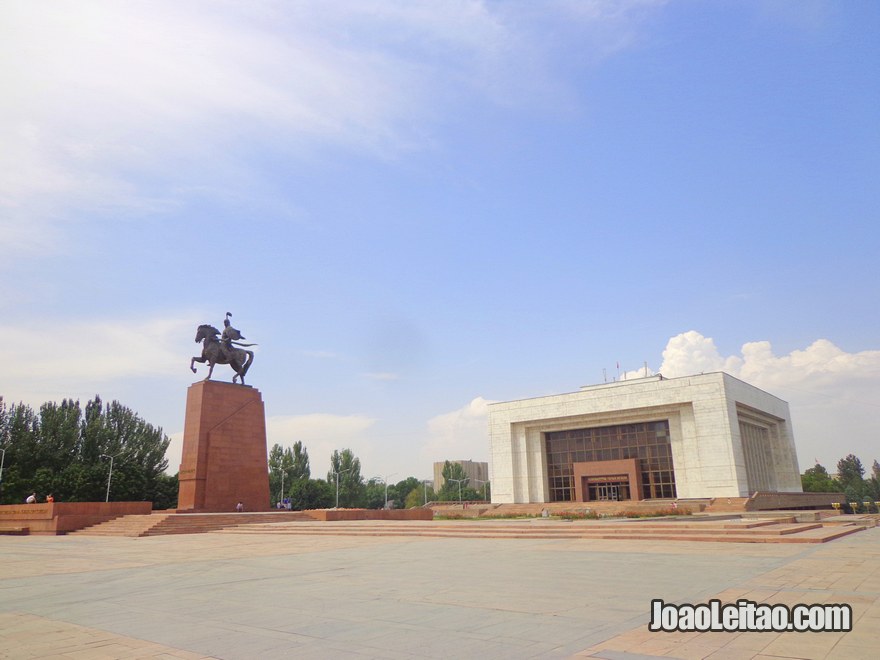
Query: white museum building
{"type": "Point", "coordinates": [704, 436]}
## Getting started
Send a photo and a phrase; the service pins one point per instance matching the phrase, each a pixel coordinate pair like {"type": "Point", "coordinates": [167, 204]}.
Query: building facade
{"type": "Point", "coordinates": [477, 473]}
{"type": "Point", "coordinates": [710, 435]}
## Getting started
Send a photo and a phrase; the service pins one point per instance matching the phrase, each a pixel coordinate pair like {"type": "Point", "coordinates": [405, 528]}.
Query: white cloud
{"type": "Point", "coordinates": [832, 394]}
{"type": "Point", "coordinates": [692, 353]}
{"type": "Point", "coordinates": [460, 434]}
{"type": "Point", "coordinates": [100, 97]}
{"type": "Point", "coordinates": [174, 453]}
{"type": "Point", "coordinates": [62, 358]}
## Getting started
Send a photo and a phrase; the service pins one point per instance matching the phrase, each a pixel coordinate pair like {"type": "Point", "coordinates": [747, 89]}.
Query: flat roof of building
{"type": "Point", "coordinates": [656, 378]}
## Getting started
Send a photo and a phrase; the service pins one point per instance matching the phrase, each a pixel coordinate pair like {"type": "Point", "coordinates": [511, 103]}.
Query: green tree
{"type": "Point", "coordinates": [308, 494]}
{"type": "Point", "coordinates": [850, 473]}
{"type": "Point", "coordinates": [300, 468]}
{"type": "Point", "coordinates": [292, 463]}
{"type": "Point", "coordinates": [817, 480]}
{"type": "Point", "coordinates": [64, 450]}
{"type": "Point", "coordinates": [346, 467]}
{"type": "Point", "coordinates": [280, 461]}
{"type": "Point", "coordinates": [455, 481]}
{"type": "Point", "coordinates": [401, 489]}
{"type": "Point", "coordinates": [374, 494]}
{"type": "Point", "coordinates": [418, 495]}
{"type": "Point", "coordinates": [873, 483]}
{"type": "Point", "coordinates": [167, 487]}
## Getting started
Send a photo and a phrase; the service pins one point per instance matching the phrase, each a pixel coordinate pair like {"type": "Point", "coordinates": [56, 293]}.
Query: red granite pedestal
{"type": "Point", "coordinates": [224, 449]}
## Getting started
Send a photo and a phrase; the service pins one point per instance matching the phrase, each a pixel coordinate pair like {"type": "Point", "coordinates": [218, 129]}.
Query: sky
{"type": "Point", "coordinates": [416, 208]}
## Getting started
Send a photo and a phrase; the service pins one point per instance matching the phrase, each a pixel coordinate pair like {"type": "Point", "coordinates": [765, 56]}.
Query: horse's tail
{"type": "Point", "coordinates": [247, 365]}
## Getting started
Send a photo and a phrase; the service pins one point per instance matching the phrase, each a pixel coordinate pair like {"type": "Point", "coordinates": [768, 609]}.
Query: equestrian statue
{"type": "Point", "coordinates": [223, 350]}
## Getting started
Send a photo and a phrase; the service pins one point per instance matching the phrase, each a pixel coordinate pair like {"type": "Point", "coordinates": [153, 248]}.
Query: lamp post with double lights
{"type": "Point", "coordinates": [385, 481]}
{"type": "Point", "coordinates": [459, 486]}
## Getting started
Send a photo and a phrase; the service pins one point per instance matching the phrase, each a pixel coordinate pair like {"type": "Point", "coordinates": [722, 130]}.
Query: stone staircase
{"type": "Point", "coordinates": [785, 530]}
{"type": "Point", "coordinates": [131, 525]}
{"type": "Point", "coordinates": [168, 522]}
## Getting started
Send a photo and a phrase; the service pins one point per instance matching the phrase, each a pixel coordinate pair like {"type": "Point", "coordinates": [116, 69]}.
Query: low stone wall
{"type": "Point", "coordinates": [762, 501]}
{"type": "Point", "coordinates": [63, 517]}
{"type": "Point", "coordinates": [454, 510]}
{"type": "Point", "coordinates": [370, 514]}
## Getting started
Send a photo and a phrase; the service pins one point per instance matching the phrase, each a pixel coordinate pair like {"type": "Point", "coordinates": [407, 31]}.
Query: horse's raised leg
{"type": "Point", "coordinates": [194, 360]}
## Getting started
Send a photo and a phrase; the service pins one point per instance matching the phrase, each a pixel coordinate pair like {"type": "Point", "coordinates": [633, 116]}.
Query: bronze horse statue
{"type": "Point", "coordinates": [214, 352]}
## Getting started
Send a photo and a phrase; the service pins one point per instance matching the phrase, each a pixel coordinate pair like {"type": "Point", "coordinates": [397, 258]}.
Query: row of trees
{"type": "Point", "coordinates": [850, 479]}
{"type": "Point", "coordinates": [65, 449]}
{"type": "Point", "coordinates": [290, 477]}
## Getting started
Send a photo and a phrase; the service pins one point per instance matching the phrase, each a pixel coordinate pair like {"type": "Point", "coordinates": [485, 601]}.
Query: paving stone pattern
{"type": "Point", "coordinates": [264, 596]}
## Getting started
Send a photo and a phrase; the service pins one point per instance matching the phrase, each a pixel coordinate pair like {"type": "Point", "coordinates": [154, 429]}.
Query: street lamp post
{"type": "Point", "coordinates": [385, 481]}
{"type": "Point", "coordinates": [109, 476]}
{"type": "Point", "coordinates": [281, 494]}
{"type": "Point", "coordinates": [459, 486]}
{"type": "Point", "coordinates": [337, 482]}
{"type": "Point", "coordinates": [484, 482]}
{"type": "Point", "coordinates": [2, 461]}
{"type": "Point", "coordinates": [425, 482]}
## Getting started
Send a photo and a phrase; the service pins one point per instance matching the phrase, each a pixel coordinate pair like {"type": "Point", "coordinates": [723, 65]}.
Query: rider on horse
{"type": "Point", "coordinates": [225, 350]}
{"type": "Point", "coordinates": [229, 334]}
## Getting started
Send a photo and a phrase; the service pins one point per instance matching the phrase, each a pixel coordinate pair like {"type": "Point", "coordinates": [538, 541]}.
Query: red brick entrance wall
{"type": "Point", "coordinates": [628, 467]}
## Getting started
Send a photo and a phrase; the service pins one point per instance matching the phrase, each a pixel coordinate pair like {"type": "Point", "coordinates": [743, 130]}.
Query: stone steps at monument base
{"type": "Point", "coordinates": [556, 527]}
{"type": "Point", "coordinates": [782, 533]}
{"type": "Point", "coordinates": [14, 531]}
{"type": "Point", "coordinates": [130, 525]}
{"type": "Point", "coordinates": [161, 523]}
{"type": "Point", "coordinates": [195, 523]}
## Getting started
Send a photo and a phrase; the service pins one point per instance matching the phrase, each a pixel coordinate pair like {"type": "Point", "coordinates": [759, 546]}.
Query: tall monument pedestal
{"type": "Point", "coordinates": [224, 449]}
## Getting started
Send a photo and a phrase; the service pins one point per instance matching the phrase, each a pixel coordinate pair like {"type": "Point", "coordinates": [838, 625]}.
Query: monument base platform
{"type": "Point", "coordinates": [224, 450]}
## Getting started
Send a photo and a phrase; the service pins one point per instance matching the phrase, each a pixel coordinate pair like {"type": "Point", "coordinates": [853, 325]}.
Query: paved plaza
{"type": "Point", "coordinates": [244, 596]}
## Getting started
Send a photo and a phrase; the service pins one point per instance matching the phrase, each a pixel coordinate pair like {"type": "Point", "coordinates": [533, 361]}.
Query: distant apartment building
{"type": "Point", "coordinates": [477, 473]}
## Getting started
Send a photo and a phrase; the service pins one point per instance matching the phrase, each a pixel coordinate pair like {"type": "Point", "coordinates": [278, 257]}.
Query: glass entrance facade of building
{"type": "Point", "coordinates": [648, 442]}
{"type": "Point", "coordinates": [609, 491]}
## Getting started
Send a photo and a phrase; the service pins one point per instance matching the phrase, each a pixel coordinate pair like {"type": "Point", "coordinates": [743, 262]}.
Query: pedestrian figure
{"type": "Point", "coordinates": [239, 507]}
{"type": "Point", "coordinates": [31, 499]}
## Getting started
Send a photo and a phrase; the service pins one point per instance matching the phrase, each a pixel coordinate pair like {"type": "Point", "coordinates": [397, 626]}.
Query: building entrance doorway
{"type": "Point", "coordinates": [604, 490]}
{"type": "Point", "coordinates": [608, 492]}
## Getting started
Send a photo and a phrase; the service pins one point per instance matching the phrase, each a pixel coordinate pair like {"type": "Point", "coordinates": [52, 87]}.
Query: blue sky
{"type": "Point", "coordinates": [418, 207]}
